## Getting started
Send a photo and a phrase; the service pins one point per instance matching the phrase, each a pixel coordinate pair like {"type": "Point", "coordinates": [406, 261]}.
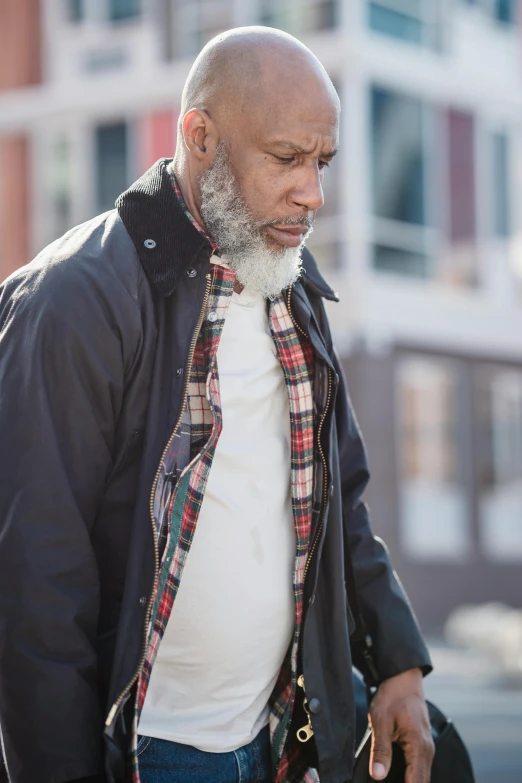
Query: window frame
{"type": "Point", "coordinates": [428, 16]}
{"type": "Point", "coordinates": [492, 493]}
{"type": "Point", "coordinates": [396, 234]}
{"type": "Point", "coordinates": [462, 453]}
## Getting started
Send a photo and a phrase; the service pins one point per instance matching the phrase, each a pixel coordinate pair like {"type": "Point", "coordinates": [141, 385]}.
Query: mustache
{"type": "Point", "coordinates": [291, 221]}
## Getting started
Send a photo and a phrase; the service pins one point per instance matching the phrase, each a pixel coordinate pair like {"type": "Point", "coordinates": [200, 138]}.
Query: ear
{"type": "Point", "coordinates": [199, 134]}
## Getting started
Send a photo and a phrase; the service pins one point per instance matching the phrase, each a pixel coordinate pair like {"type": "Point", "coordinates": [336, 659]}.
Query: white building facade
{"type": "Point", "coordinates": [421, 233]}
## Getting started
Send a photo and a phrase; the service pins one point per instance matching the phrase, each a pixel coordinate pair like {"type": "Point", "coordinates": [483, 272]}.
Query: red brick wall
{"type": "Point", "coordinates": [20, 55]}
{"type": "Point", "coordinates": [157, 138]}
{"type": "Point", "coordinates": [14, 204]}
{"type": "Point", "coordinates": [20, 66]}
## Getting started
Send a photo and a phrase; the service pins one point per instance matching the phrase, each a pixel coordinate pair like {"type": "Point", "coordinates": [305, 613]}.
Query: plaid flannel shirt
{"type": "Point", "coordinates": [180, 489]}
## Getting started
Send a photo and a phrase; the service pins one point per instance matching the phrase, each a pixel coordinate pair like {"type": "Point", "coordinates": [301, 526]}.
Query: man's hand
{"type": "Point", "coordinates": [398, 713]}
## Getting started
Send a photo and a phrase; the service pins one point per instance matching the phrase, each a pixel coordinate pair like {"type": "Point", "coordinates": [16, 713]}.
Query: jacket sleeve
{"type": "Point", "coordinates": [63, 359]}
{"type": "Point", "coordinates": [397, 643]}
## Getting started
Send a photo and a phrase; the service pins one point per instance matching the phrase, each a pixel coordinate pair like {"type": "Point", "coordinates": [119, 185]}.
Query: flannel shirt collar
{"type": "Point", "coordinates": [168, 240]}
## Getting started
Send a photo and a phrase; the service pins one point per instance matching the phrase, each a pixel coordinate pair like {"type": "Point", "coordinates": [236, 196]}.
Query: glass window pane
{"type": "Point", "coordinates": [505, 11]}
{"type": "Point", "coordinates": [75, 10]}
{"type": "Point", "coordinates": [398, 157]}
{"type": "Point", "coordinates": [501, 206]}
{"type": "Point", "coordinates": [499, 456]}
{"type": "Point", "coordinates": [399, 261]}
{"type": "Point", "coordinates": [298, 16]}
{"type": "Point", "coordinates": [195, 22]}
{"type": "Point", "coordinates": [396, 24]}
{"type": "Point", "coordinates": [111, 164]}
{"type": "Point", "coordinates": [62, 186]}
{"type": "Point", "coordinates": [277, 13]}
{"type": "Point", "coordinates": [58, 187]}
{"type": "Point", "coordinates": [123, 9]}
{"type": "Point", "coordinates": [317, 15]}
{"type": "Point", "coordinates": [325, 15]}
{"type": "Point", "coordinates": [434, 507]}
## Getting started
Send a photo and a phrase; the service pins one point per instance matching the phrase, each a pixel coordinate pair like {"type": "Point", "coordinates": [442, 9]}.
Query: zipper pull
{"type": "Point", "coordinates": [306, 732]}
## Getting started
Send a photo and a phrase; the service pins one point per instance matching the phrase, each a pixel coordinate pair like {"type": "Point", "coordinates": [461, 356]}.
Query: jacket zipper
{"type": "Point", "coordinates": [307, 731]}
{"type": "Point", "coordinates": [325, 482]}
{"type": "Point", "coordinates": [115, 707]}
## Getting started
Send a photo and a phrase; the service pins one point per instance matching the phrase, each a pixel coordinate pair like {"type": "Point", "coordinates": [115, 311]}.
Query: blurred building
{"type": "Point", "coordinates": [421, 233]}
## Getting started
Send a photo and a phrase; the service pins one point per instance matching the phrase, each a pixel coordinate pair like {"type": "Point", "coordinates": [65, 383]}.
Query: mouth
{"type": "Point", "coordinates": [289, 236]}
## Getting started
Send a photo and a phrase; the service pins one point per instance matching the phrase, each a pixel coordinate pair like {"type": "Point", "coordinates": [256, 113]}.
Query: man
{"type": "Point", "coordinates": [182, 471]}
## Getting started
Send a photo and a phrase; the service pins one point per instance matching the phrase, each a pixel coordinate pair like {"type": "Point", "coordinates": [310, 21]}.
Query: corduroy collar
{"type": "Point", "coordinates": [167, 242]}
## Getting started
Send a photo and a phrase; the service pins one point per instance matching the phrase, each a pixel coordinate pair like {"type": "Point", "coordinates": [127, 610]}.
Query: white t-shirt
{"type": "Point", "coordinates": [233, 616]}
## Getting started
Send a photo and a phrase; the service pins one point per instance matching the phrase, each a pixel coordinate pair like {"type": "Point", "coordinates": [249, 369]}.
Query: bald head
{"type": "Point", "coordinates": [259, 121]}
{"type": "Point", "coordinates": [251, 69]}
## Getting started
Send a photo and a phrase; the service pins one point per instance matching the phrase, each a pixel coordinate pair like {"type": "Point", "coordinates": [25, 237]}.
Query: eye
{"type": "Point", "coordinates": [324, 164]}
{"type": "Point", "coordinates": [285, 160]}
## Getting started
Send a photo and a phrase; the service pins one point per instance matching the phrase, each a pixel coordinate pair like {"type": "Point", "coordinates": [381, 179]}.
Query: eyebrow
{"type": "Point", "coordinates": [291, 146]}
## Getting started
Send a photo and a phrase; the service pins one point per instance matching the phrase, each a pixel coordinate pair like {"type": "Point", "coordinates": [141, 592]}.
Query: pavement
{"type": "Point", "coordinates": [485, 706]}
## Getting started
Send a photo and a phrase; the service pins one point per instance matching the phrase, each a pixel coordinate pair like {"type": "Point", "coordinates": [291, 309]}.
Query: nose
{"type": "Point", "coordinates": [308, 191]}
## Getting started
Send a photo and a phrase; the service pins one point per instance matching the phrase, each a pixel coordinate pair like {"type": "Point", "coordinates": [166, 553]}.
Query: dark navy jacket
{"type": "Point", "coordinates": [94, 339]}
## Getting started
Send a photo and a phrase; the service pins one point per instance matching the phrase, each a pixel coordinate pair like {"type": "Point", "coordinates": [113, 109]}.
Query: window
{"type": "Point", "coordinates": [501, 195]}
{"type": "Point", "coordinates": [460, 265]}
{"type": "Point", "coordinates": [123, 9]}
{"type": "Point", "coordinates": [433, 504]}
{"type": "Point", "coordinates": [111, 164]}
{"type": "Point", "coordinates": [399, 183]}
{"type": "Point", "coordinates": [61, 196]}
{"type": "Point", "coordinates": [409, 140]}
{"type": "Point", "coordinates": [398, 157]}
{"type": "Point", "coordinates": [414, 21]}
{"type": "Point", "coordinates": [505, 11]}
{"type": "Point", "coordinates": [75, 10]}
{"type": "Point", "coordinates": [56, 194]}
{"type": "Point", "coordinates": [402, 262]}
{"type": "Point", "coordinates": [298, 16]}
{"type": "Point", "coordinates": [499, 418]}
{"type": "Point", "coordinates": [399, 20]}
{"type": "Point", "coordinates": [195, 22]}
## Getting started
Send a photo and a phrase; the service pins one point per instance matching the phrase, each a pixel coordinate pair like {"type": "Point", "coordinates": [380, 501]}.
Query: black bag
{"type": "Point", "coordinates": [451, 763]}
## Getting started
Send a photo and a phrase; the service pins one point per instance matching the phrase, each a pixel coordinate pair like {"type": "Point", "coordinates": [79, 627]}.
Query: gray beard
{"type": "Point", "coordinates": [240, 239]}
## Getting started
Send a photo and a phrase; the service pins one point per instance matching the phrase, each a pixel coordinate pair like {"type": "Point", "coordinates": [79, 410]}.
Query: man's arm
{"type": "Point", "coordinates": [397, 640]}
{"type": "Point", "coordinates": [62, 367]}
{"type": "Point", "coordinates": [398, 711]}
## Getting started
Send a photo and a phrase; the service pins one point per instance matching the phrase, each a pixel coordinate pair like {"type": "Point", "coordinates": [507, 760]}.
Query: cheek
{"type": "Point", "coordinates": [264, 190]}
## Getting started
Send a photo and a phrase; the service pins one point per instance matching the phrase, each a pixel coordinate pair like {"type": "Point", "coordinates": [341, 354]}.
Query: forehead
{"type": "Point", "coordinates": [308, 121]}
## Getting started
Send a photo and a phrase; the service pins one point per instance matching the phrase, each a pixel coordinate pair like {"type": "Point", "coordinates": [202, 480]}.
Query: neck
{"type": "Point", "coordinates": [185, 185]}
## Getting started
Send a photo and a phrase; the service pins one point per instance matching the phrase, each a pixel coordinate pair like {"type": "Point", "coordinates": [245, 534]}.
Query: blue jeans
{"type": "Point", "coordinates": [161, 761]}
